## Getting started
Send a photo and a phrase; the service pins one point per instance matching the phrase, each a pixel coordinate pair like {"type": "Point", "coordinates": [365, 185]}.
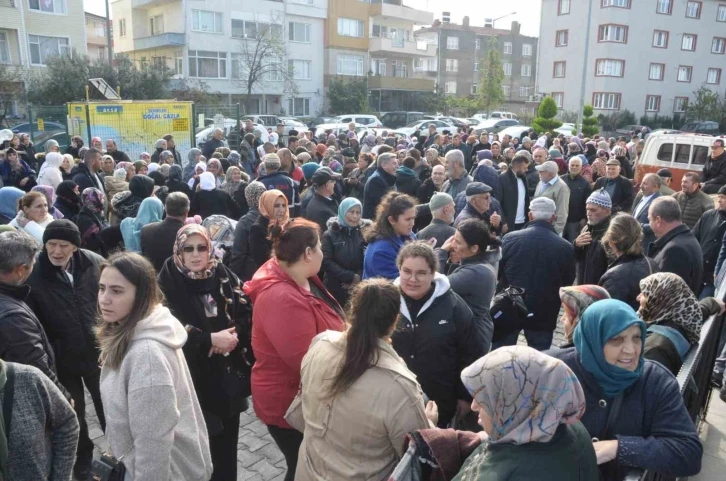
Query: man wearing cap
{"type": "Point", "coordinates": [379, 183]}
{"type": "Point", "coordinates": [538, 260]}
{"type": "Point", "coordinates": [709, 230]}
{"type": "Point", "coordinates": [619, 188]}
{"type": "Point", "coordinates": [442, 211]}
{"type": "Point", "coordinates": [692, 200]}
{"type": "Point", "coordinates": [552, 187]}
{"type": "Point", "coordinates": [478, 202]}
{"type": "Point", "coordinates": [63, 295]}
{"type": "Point", "coordinates": [274, 178]}
{"type": "Point", "coordinates": [322, 205]}
{"type": "Point", "coordinates": [714, 171]}
{"type": "Point", "coordinates": [590, 254]}
{"type": "Point", "coordinates": [580, 190]}
{"type": "Point", "coordinates": [666, 178]}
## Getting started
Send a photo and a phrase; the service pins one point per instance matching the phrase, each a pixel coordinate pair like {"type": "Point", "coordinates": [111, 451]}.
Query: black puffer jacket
{"type": "Point", "coordinates": [709, 230]}
{"type": "Point", "coordinates": [343, 249]}
{"type": "Point", "coordinates": [68, 312]}
{"type": "Point", "coordinates": [622, 279]}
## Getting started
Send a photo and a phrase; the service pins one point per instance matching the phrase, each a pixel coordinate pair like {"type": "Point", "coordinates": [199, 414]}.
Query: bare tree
{"type": "Point", "coordinates": [12, 88]}
{"type": "Point", "coordinates": [262, 58]}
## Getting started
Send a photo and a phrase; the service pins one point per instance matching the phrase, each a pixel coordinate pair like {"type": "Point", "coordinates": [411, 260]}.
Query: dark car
{"type": "Point", "coordinates": [494, 126]}
{"type": "Point", "coordinates": [396, 120]}
{"type": "Point", "coordinates": [59, 136]}
{"type": "Point", "coordinates": [708, 128]}
{"type": "Point", "coordinates": [628, 130]}
{"type": "Point", "coordinates": [48, 125]}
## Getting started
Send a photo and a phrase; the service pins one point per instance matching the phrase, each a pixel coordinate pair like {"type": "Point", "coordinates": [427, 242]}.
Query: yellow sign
{"type": "Point", "coordinates": [181, 125]}
{"type": "Point", "coordinates": [41, 124]}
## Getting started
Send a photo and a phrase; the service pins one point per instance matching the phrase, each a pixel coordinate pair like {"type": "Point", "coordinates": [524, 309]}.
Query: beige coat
{"type": "Point", "coordinates": [359, 435]}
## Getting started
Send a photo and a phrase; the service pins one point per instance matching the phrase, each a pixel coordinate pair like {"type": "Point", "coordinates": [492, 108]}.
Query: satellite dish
{"type": "Point", "coordinates": [6, 134]}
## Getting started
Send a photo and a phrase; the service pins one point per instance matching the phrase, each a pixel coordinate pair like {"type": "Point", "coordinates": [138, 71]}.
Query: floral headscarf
{"type": "Point", "coordinates": [93, 199]}
{"type": "Point", "coordinates": [267, 204]}
{"type": "Point", "coordinates": [253, 193]}
{"type": "Point", "coordinates": [668, 298]}
{"type": "Point", "coordinates": [526, 393]}
{"type": "Point", "coordinates": [181, 237]}
{"type": "Point", "coordinates": [576, 299]}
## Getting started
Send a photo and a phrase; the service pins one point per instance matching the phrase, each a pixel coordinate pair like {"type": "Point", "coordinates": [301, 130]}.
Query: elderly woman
{"type": "Point", "coordinates": [674, 318]}
{"type": "Point", "coordinates": [116, 183]}
{"type": "Point", "coordinates": [50, 173]}
{"type": "Point", "coordinates": [210, 200]}
{"type": "Point", "coordinates": [214, 166]}
{"type": "Point", "coordinates": [199, 169]}
{"type": "Point", "coordinates": [273, 209]}
{"type": "Point", "coordinates": [234, 179]}
{"type": "Point", "coordinates": [151, 210]}
{"type": "Point", "coordinates": [241, 261]}
{"type": "Point", "coordinates": [141, 167]}
{"type": "Point", "coordinates": [355, 182]}
{"type": "Point", "coordinates": [575, 299]}
{"type": "Point", "coordinates": [32, 216]}
{"type": "Point", "coordinates": [530, 406]}
{"type": "Point", "coordinates": [634, 406]}
{"type": "Point", "coordinates": [108, 165]}
{"type": "Point", "coordinates": [90, 221]}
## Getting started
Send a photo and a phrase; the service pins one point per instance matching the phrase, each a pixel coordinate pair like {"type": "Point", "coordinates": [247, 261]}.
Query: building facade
{"type": "Point", "coordinates": [461, 53]}
{"type": "Point", "coordinates": [649, 66]}
{"type": "Point", "coordinates": [206, 41]}
{"type": "Point", "coordinates": [96, 39]}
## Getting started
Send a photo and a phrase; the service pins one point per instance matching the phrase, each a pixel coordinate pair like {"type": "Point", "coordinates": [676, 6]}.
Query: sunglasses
{"type": "Point", "coordinates": [200, 248]}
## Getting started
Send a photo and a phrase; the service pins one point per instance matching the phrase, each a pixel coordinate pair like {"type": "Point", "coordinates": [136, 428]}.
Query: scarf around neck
{"type": "Point", "coordinates": [668, 298]}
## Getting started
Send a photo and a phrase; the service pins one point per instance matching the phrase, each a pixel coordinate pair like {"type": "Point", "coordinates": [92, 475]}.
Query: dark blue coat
{"type": "Point", "coordinates": [376, 187]}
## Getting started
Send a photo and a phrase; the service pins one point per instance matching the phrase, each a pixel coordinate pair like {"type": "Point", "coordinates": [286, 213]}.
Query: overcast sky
{"type": "Point", "coordinates": [527, 11]}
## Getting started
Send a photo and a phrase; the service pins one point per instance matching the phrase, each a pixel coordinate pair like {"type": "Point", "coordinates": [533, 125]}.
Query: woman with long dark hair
{"type": "Point", "coordinates": [393, 226]}
{"type": "Point", "coordinates": [347, 379]}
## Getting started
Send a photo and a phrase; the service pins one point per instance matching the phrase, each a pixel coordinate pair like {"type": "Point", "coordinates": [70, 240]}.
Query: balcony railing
{"type": "Point", "coordinates": [168, 39]}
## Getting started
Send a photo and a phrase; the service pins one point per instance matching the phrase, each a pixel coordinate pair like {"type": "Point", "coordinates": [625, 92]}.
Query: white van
{"type": "Point", "coordinates": [679, 153]}
{"type": "Point", "coordinates": [503, 115]}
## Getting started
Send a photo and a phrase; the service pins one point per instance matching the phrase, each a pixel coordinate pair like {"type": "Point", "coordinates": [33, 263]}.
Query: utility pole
{"type": "Point", "coordinates": [584, 65]}
{"type": "Point", "coordinates": [108, 33]}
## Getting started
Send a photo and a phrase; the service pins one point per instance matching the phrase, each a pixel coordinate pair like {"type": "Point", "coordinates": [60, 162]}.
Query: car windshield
{"type": "Point", "coordinates": [415, 123]}
{"type": "Point", "coordinates": [336, 120]}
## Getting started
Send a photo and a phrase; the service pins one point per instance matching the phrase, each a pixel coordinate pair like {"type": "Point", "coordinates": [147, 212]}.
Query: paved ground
{"type": "Point", "coordinates": [257, 455]}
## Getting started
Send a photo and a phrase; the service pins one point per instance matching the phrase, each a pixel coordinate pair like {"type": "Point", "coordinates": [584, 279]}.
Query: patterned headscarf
{"type": "Point", "coordinates": [527, 394]}
{"type": "Point", "coordinates": [253, 192]}
{"type": "Point", "coordinates": [576, 299]}
{"type": "Point", "coordinates": [267, 205]}
{"type": "Point", "coordinates": [181, 237]}
{"type": "Point", "coordinates": [93, 199]}
{"type": "Point", "coordinates": [668, 298]}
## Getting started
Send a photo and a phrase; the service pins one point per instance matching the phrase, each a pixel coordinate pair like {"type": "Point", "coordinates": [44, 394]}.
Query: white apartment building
{"type": "Point", "coordinates": [201, 39]}
{"type": "Point", "coordinates": [647, 56]}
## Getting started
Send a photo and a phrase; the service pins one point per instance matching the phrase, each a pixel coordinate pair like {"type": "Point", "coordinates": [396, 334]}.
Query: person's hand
{"type": "Point", "coordinates": [432, 412]}
{"type": "Point", "coordinates": [495, 220]}
{"type": "Point", "coordinates": [24, 181]}
{"type": "Point", "coordinates": [583, 240]}
{"type": "Point", "coordinates": [721, 304]}
{"type": "Point", "coordinates": [432, 242]}
{"type": "Point", "coordinates": [224, 341]}
{"type": "Point", "coordinates": [447, 245]}
{"type": "Point", "coordinates": [605, 451]}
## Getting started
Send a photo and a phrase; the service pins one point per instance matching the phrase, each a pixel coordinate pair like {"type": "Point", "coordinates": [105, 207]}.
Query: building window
{"type": "Point", "coordinates": [350, 64]}
{"type": "Point", "coordinates": [452, 65]}
{"type": "Point", "coordinates": [507, 90]}
{"type": "Point", "coordinates": [157, 24]}
{"type": "Point", "coordinates": [476, 66]}
{"type": "Point", "coordinates": [559, 98]}
{"type": "Point", "coordinates": [616, 3]}
{"type": "Point", "coordinates": [688, 42]}
{"type": "Point", "coordinates": [350, 27]}
{"type": "Point", "coordinates": [507, 67]}
{"type": "Point", "coordinates": [477, 43]}
{"type": "Point", "coordinates": [273, 70]}
{"type": "Point", "coordinates": [474, 89]}
{"type": "Point", "coordinates": [561, 38]}
{"type": "Point", "coordinates": [713, 76]}
{"type": "Point", "coordinates": [450, 87]}
{"type": "Point", "coordinates": [299, 107]}
{"type": "Point", "coordinates": [693, 9]}
{"type": "Point", "coordinates": [206, 21]}
{"type": "Point", "coordinates": [664, 7]}
{"type": "Point", "coordinates": [253, 30]}
{"type": "Point", "coordinates": [301, 69]}
{"type": "Point", "coordinates": [559, 69]}
{"type": "Point", "coordinates": [718, 45]}
{"type": "Point", "coordinates": [652, 103]}
{"type": "Point", "coordinates": [721, 14]}
{"type": "Point", "coordinates": [656, 71]}
{"type": "Point", "coordinates": [42, 48]}
{"type": "Point", "coordinates": [523, 91]}
{"type": "Point", "coordinates": [609, 68]}
{"type": "Point", "coordinates": [179, 62]}
{"type": "Point", "coordinates": [613, 33]}
{"type": "Point", "coordinates": [299, 32]}
{"type": "Point", "coordinates": [563, 7]}
{"type": "Point", "coordinates": [526, 70]}
{"type": "Point", "coordinates": [379, 31]}
{"type": "Point", "coordinates": [378, 66]}
{"type": "Point", "coordinates": [207, 64]}
{"type": "Point", "coordinates": [452, 43]}
{"type": "Point", "coordinates": [660, 39]}
{"type": "Point", "coordinates": [48, 6]}
{"type": "Point", "coordinates": [606, 101]}
{"type": "Point", "coordinates": [4, 50]}
{"type": "Point", "coordinates": [526, 50]}
{"type": "Point", "coordinates": [99, 29]}
{"type": "Point", "coordinates": [122, 27]}
{"type": "Point", "coordinates": [507, 48]}
{"type": "Point", "coordinates": [684, 73]}
{"type": "Point", "coordinates": [680, 104]}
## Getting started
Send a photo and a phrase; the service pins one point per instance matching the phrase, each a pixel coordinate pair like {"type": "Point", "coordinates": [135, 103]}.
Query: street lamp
{"type": "Point", "coordinates": [503, 16]}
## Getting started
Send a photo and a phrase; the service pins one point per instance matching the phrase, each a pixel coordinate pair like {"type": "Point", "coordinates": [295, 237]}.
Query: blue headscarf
{"type": "Point", "coordinates": [347, 204]}
{"type": "Point", "coordinates": [151, 210]}
{"type": "Point", "coordinates": [309, 169]}
{"type": "Point", "coordinates": [9, 201]}
{"type": "Point", "coordinates": [600, 322]}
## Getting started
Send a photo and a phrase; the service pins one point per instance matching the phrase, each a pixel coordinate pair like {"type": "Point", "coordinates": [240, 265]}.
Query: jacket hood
{"type": "Point", "coordinates": [266, 276]}
{"type": "Point", "coordinates": [334, 224]}
{"type": "Point", "coordinates": [162, 327]}
{"type": "Point", "coordinates": [441, 287]}
{"type": "Point", "coordinates": [405, 172]}
{"type": "Point", "coordinates": [491, 256]}
{"type": "Point", "coordinates": [141, 186]}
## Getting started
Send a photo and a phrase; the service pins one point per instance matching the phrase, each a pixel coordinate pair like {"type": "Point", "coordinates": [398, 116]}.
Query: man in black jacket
{"type": "Point", "coordinates": [117, 155]}
{"type": "Point", "coordinates": [580, 190]}
{"type": "Point", "coordinates": [514, 193]}
{"type": "Point", "coordinates": [63, 295]}
{"type": "Point", "coordinates": [86, 174]}
{"type": "Point", "coordinates": [709, 231]}
{"type": "Point", "coordinates": [619, 188]}
{"type": "Point", "coordinates": [378, 184]}
{"type": "Point", "coordinates": [714, 171]}
{"type": "Point", "coordinates": [323, 205]}
{"type": "Point", "coordinates": [171, 147]}
{"type": "Point", "coordinates": [158, 238]}
{"type": "Point", "coordinates": [590, 255]}
{"type": "Point", "coordinates": [676, 249]}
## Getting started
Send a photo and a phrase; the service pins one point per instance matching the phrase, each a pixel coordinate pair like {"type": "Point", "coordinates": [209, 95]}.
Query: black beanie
{"type": "Point", "coordinates": [62, 229]}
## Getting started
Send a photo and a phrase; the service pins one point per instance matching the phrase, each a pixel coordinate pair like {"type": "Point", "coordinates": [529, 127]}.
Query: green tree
{"type": "Point", "coordinates": [490, 94]}
{"type": "Point", "coordinates": [347, 95]}
{"type": "Point", "coordinates": [589, 122]}
{"type": "Point", "coordinates": [706, 105]}
{"type": "Point", "coordinates": [11, 90]}
{"type": "Point", "coordinates": [546, 121]}
{"type": "Point", "coordinates": [195, 90]}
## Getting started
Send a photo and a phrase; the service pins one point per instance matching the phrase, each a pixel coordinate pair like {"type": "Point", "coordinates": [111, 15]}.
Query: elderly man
{"type": "Point", "coordinates": [288, 165]}
{"type": "Point", "coordinates": [117, 155]}
{"type": "Point", "coordinates": [323, 204]}
{"type": "Point", "coordinates": [590, 254]}
{"type": "Point", "coordinates": [379, 183]}
{"type": "Point", "coordinates": [538, 260]}
{"type": "Point", "coordinates": [619, 188]}
{"type": "Point", "coordinates": [709, 231]}
{"type": "Point", "coordinates": [666, 178]}
{"type": "Point", "coordinates": [274, 178]}
{"type": "Point", "coordinates": [442, 210]}
{"type": "Point", "coordinates": [28, 147]}
{"type": "Point", "coordinates": [211, 145]}
{"type": "Point", "coordinates": [692, 200]}
{"type": "Point", "coordinates": [580, 190]}
{"type": "Point", "coordinates": [676, 249]}
{"type": "Point", "coordinates": [160, 146]}
{"type": "Point", "coordinates": [552, 187]}
{"type": "Point", "coordinates": [714, 171]}
{"type": "Point", "coordinates": [514, 192]}
{"type": "Point", "coordinates": [456, 170]}
{"type": "Point", "coordinates": [97, 144]}
{"type": "Point", "coordinates": [478, 203]}
{"type": "Point", "coordinates": [649, 191]}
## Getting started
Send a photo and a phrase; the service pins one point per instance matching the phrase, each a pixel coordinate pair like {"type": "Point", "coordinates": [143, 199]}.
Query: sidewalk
{"type": "Point", "coordinates": [713, 435]}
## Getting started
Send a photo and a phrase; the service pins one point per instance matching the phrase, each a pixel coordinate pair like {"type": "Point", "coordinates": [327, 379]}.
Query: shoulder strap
{"type": "Point", "coordinates": [8, 398]}
{"type": "Point", "coordinates": [612, 416]}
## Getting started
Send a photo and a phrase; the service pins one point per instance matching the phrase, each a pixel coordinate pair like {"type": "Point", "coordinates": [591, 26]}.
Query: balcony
{"type": "Point", "coordinates": [400, 12]}
{"type": "Point", "coordinates": [169, 39]}
{"type": "Point", "coordinates": [400, 83]}
{"type": "Point", "coordinates": [146, 4]}
{"type": "Point", "coordinates": [402, 47]}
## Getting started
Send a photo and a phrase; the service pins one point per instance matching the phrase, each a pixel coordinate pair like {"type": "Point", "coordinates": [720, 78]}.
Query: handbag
{"type": "Point", "coordinates": [108, 468]}
{"type": "Point", "coordinates": [508, 311]}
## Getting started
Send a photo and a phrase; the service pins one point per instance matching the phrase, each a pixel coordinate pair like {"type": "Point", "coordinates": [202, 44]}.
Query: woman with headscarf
{"type": "Point", "coordinates": [368, 143]}
{"type": "Point", "coordinates": [214, 166]}
{"type": "Point", "coordinates": [108, 165]}
{"type": "Point", "coordinates": [210, 200]}
{"type": "Point", "coordinates": [151, 210]}
{"type": "Point", "coordinates": [130, 169]}
{"type": "Point", "coordinates": [192, 160]}
{"type": "Point", "coordinates": [76, 144]}
{"type": "Point", "coordinates": [234, 179]}
{"type": "Point", "coordinates": [205, 296]}
{"type": "Point", "coordinates": [66, 167]}
{"type": "Point", "coordinates": [175, 183]}
{"type": "Point", "coordinates": [354, 184]}
{"type": "Point", "coordinates": [199, 169]}
{"type": "Point", "coordinates": [273, 210]}
{"type": "Point", "coordinates": [598, 165]}
{"type": "Point", "coordinates": [116, 183]}
{"type": "Point", "coordinates": [141, 167]}
{"type": "Point", "coordinates": [49, 194]}
{"type": "Point", "coordinates": [634, 406]}
{"type": "Point", "coordinates": [674, 318]}
{"type": "Point", "coordinates": [530, 406]}
{"type": "Point", "coordinates": [343, 248]}
{"type": "Point", "coordinates": [575, 299]}
{"type": "Point", "coordinates": [67, 199]}
{"type": "Point", "coordinates": [50, 173]}
{"type": "Point", "coordinates": [126, 204]}
{"type": "Point", "coordinates": [590, 151]}
{"type": "Point", "coordinates": [9, 197]}
{"type": "Point", "coordinates": [91, 222]}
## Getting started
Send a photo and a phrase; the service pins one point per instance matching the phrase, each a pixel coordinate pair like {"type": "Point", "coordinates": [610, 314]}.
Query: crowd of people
{"type": "Point", "coordinates": [368, 292]}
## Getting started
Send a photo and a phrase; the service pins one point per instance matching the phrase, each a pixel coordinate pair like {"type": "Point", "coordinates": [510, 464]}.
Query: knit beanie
{"type": "Point", "coordinates": [62, 229]}
{"type": "Point", "coordinates": [439, 200]}
{"type": "Point", "coordinates": [309, 169]}
{"type": "Point", "coordinates": [600, 197]}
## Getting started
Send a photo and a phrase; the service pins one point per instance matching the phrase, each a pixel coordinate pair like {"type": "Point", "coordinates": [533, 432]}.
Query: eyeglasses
{"type": "Point", "coordinates": [200, 248]}
{"type": "Point", "coordinates": [420, 275]}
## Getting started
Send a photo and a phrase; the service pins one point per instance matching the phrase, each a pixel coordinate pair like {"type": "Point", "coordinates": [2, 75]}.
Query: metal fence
{"type": "Point", "coordinates": [48, 123]}
{"type": "Point", "coordinates": [227, 117]}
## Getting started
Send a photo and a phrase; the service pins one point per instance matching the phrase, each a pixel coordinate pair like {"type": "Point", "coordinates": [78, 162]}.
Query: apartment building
{"type": "Point", "coordinates": [647, 56]}
{"type": "Point", "coordinates": [374, 39]}
{"type": "Point", "coordinates": [461, 50]}
{"type": "Point", "coordinates": [96, 39]}
{"type": "Point", "coordinates": [204, 40]}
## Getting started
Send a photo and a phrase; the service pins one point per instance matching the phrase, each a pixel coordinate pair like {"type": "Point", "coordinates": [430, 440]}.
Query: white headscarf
{"type": "Point", "coordinates": [541, 142]}
{"type": "Point", "coordinates": [207, 181]}
{"type": "Point", "coordinates": [52, 160]}
{"type": "Point", "coordinates": [274, 138]}
{"type": "Point", "coordinates": [153, 167]}
{"type": "Point", "coordinates": [200, 165]}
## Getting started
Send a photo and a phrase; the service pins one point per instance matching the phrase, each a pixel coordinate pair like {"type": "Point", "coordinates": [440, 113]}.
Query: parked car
{"type": "Point", "coordinates": [291, 123]}
{"type": "Point", "coordinates": [458, 123]}
{"type": "Point", "coordinates": [342, 122]}
{"type": "Point", "coordinates": [504, 115]}
{"type": "Point", "coordinates": [264, 119]}
{"type": "Point", "coordinates": [472, 121]}
{"type": "Point", "coordinates": [494, 126]}
{"type": "Point", "coordinates": [565, 128]}
{"type": "Point", "coordinates": [231, 134]}
{"type": "Point", "coordinates": [628, 130]}
{"type": "Point", "coordinates": [60, 136]}
{"type": "Point", "coordinates": [518, 131]}
{"type": "Point", "coordinates": [665, 131]}
{"type": "Point", "coordinates": [680, 153]}
{"type": "Point", "coordinates": [480, 117]}
{"type": "Point", "coordinates": [708, 128]}
{"type": "Point", "coordinates": [423, 126]}
{"type": "Point", "coordinates": [313, 124]}
{"type": "Point", "coordinates": [396, 120]}
{"type": "Point", "coordinates": [48, 127]}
